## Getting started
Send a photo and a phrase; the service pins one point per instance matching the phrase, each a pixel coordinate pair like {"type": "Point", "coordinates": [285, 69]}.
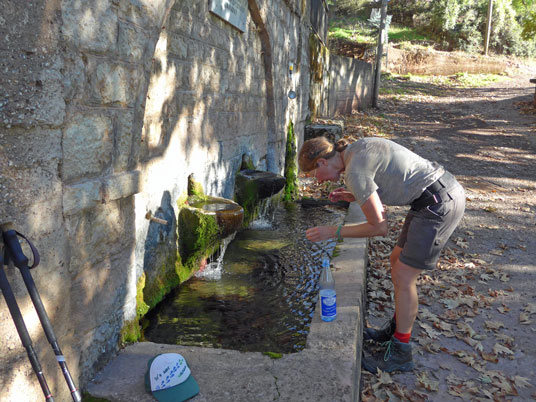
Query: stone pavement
{"type": "Point", "coordinates": [327, 370]}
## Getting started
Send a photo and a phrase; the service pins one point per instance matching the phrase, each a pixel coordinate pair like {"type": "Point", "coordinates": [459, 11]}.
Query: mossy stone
{"type": "Point", "coordinates": [291, 169]}
{"type": "Point", "coordinates": [195, 188]}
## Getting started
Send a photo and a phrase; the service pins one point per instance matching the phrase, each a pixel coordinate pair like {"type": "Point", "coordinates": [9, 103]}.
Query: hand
{"type": "Point", "coordinates": [341, 194]}
{"type": "Point", "coordinates": [319, 233]}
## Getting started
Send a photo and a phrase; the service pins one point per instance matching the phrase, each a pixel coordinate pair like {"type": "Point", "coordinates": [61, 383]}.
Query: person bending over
{"type": "Point", "coordinates": [378, 171]}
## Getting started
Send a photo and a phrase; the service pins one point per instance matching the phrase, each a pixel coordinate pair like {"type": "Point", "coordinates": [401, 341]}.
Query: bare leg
{"type": "Point", "coordinates": [404, 279]}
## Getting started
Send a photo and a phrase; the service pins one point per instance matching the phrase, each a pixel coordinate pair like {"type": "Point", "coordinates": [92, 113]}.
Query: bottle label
{"type": "Point", "coordinates": [329, 305]}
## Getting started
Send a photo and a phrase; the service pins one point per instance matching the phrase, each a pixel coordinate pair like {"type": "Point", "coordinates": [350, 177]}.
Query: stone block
{"type": "Point", "coordinates": [74, 77]}
{"type": "Point", "coordinates": [81, 196]}
{"type": "Point", "coordinates": [50, 103]}
{"type": "Point", "coordinates": [141, 12]}
{"type": "Point", "coordinates": [100, 233]}
{"type": "Point", "coordinates": [87, 146]}
{"type": "Point", "coordinates": [115, 84]}
{"type": "Point", "coordinates": [131, 42]}
{"type": "Point", "coordinates": [180, 23]}
{"type": "Point", "coordinates": [177, 45]}
{"type": "Point", "coordinates": [30, 187]}
{"type": "Point", "coordinates": [90, 25]}
{"type": "Point", "coordinates": [123, 137]}
{"type": "Point", "coordinates": [121, 186]}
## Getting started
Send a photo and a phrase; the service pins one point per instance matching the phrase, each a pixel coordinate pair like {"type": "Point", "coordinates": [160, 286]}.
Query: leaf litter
{"type": "Point", "coordinates": [449, 306]}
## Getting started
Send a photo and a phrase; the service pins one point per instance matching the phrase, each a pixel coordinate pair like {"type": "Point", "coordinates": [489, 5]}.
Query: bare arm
{"type": "Point", "coordinates": [376, 224]}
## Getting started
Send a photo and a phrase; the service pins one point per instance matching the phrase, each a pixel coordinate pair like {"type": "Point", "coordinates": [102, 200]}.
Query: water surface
{"type": "Point", "coordinates": [261, 298]}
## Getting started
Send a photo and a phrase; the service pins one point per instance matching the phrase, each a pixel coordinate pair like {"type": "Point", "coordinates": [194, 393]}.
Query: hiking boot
{"type": "Point", "coordinates": [380, 335]}
{"type": "Point", "coordinates": [397, 357]}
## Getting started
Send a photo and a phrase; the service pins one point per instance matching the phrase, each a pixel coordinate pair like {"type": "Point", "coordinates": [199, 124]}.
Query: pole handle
{"type": "Point", "coordinates": [14, 250]}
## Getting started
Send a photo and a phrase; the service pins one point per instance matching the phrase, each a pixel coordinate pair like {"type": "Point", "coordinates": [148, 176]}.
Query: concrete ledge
{"type": "Point", "coordinates": [327, 370]}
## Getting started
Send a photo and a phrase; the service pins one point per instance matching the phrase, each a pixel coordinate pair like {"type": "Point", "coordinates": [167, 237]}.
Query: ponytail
{"type": "Point", "coordinates": [341, 144]}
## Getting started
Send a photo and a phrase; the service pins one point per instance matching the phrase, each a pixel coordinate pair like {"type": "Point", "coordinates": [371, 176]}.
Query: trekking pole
{"type": "Point", "coordinates": [15, 254]}
{"type": "Point", "coordinates": [23, 332]}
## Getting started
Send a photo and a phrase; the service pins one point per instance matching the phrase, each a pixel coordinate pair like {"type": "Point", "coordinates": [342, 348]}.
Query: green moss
{"type": "Point", "coordinates": [195, 188]}
{"type": "Point", "coordinates": [86, 397]}
{"type": "Point", "coordinates": [248, 198]}
{"type": "Point", "coordinates": [165, 280]}
{"type": "Point", "coordinates": [273, 355]}
{"type": "Point", "coordinates": [197, 231]}
{"type": "Point", "coordinates": [141, 307]}
{"type": "Point", "coordinates": [247, 163]}
{"type": "Point", "coordinates": [291, 186]}
{"type": "Point", "coordinates": [131, 332]}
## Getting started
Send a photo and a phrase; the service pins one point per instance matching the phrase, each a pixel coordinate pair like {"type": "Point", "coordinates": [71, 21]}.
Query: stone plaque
{"type": "Point", "coordinates": [235, 12]}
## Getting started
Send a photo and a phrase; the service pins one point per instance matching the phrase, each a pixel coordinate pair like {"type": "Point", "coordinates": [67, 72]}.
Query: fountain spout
{"type": "Point", "coordinates": [253, 186]}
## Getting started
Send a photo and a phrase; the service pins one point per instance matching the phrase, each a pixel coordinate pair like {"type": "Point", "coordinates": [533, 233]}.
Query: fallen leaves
{"type": "Point", "coordinates": [530, 308]}
{"type": "Point", "coordinates": [500, 349]}
{"type": "Point", "coordinates": [425, 382]}
{"type": "Point", "coordinates": [494, 325]}
{"type": "Point", "coordinates": [522, 382]}
{"type": "Point", "coordinates": [524, 318]}
{"type": "Point", "coordinates": [451, 307]}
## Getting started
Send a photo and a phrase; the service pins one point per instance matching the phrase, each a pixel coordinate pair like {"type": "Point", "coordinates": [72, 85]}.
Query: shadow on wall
{"type": "Point", "coordinates": [195, 106]}
{"type": "Point", "coordinates": [129, 96]}
{"type": "Point", "coordinates": [351, 85]}
{"type": "Point", "coordinates": [160, 256]}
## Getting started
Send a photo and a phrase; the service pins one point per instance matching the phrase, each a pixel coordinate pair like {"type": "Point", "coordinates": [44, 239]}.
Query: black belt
{"type": "Point", "coordinates": [433, 194]}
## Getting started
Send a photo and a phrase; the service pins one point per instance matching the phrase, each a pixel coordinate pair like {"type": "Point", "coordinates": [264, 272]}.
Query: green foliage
{"type": "Point", "coordinates": [273, 355]}
{"type": "Point", "coordinates": [529, 26]}
{"type": "Point", "coordinates": [465, 80]}
{"type": "Point", "coordinates": [399, 33]}
{"type": "Point", "coordinates": [461, 24]}
{"type": "Point", "coordinates": [358, 28]}
{"type": "Point", "coordinates": [348, 7]}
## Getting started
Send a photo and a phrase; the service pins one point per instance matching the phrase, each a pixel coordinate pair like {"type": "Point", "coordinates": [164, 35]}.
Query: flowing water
{"type": "Point", "coordinates": [261, 297]}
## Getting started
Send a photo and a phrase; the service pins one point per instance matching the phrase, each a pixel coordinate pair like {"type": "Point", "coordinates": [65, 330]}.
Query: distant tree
{"type": "Point", "coordinates": [460, 24]}
{"type": "Point", "coordinates": [347, 7]}
{"type": "Point", "coordinates": [529, 27]}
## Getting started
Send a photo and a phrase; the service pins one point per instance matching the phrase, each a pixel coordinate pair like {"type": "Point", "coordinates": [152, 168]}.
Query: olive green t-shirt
{"type": "Point", "coordinates": [397, 174]}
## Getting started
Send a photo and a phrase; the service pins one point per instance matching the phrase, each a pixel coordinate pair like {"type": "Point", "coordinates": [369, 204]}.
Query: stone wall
{"type": "Point", "coordinates": [350, 87]}
{"type": "Point", "coordinates": [106, 107]}
{"type": "Point", "coordinates": [339, 85]}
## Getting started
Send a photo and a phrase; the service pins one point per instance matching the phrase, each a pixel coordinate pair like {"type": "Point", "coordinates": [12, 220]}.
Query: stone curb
{"type": "Point", "coordinates": [327, 370]}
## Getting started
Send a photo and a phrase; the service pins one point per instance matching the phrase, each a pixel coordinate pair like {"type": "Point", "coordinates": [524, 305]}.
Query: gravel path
{"type": "Point", "coordinates": [476, 330]}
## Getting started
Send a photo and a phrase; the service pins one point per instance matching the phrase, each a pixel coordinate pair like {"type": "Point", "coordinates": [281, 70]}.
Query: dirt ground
{"type": "Point", "coordinates": [475, 334]}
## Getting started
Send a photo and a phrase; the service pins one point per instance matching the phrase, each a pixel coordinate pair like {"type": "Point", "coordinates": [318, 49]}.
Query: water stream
{"type": "Point", "coordinates": [260, 297]}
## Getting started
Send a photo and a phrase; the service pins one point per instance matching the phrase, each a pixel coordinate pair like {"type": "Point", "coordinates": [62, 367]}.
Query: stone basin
{"type": "Point", "coordinates": [229, 215]}
{"type": "Point", "coordinates": [258, 184]}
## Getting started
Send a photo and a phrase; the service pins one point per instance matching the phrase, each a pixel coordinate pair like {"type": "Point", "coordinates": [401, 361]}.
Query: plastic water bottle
{"type": "Point", "coordinates": [328, 296]}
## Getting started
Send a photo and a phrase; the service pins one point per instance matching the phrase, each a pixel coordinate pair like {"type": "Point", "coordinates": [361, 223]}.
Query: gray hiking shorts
{"type": "Point", "coordinates": [426, 231]}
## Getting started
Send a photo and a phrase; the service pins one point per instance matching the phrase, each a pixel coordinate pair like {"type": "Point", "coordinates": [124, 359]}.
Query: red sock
{"type": "Point", "coordinates": [404, 338]}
